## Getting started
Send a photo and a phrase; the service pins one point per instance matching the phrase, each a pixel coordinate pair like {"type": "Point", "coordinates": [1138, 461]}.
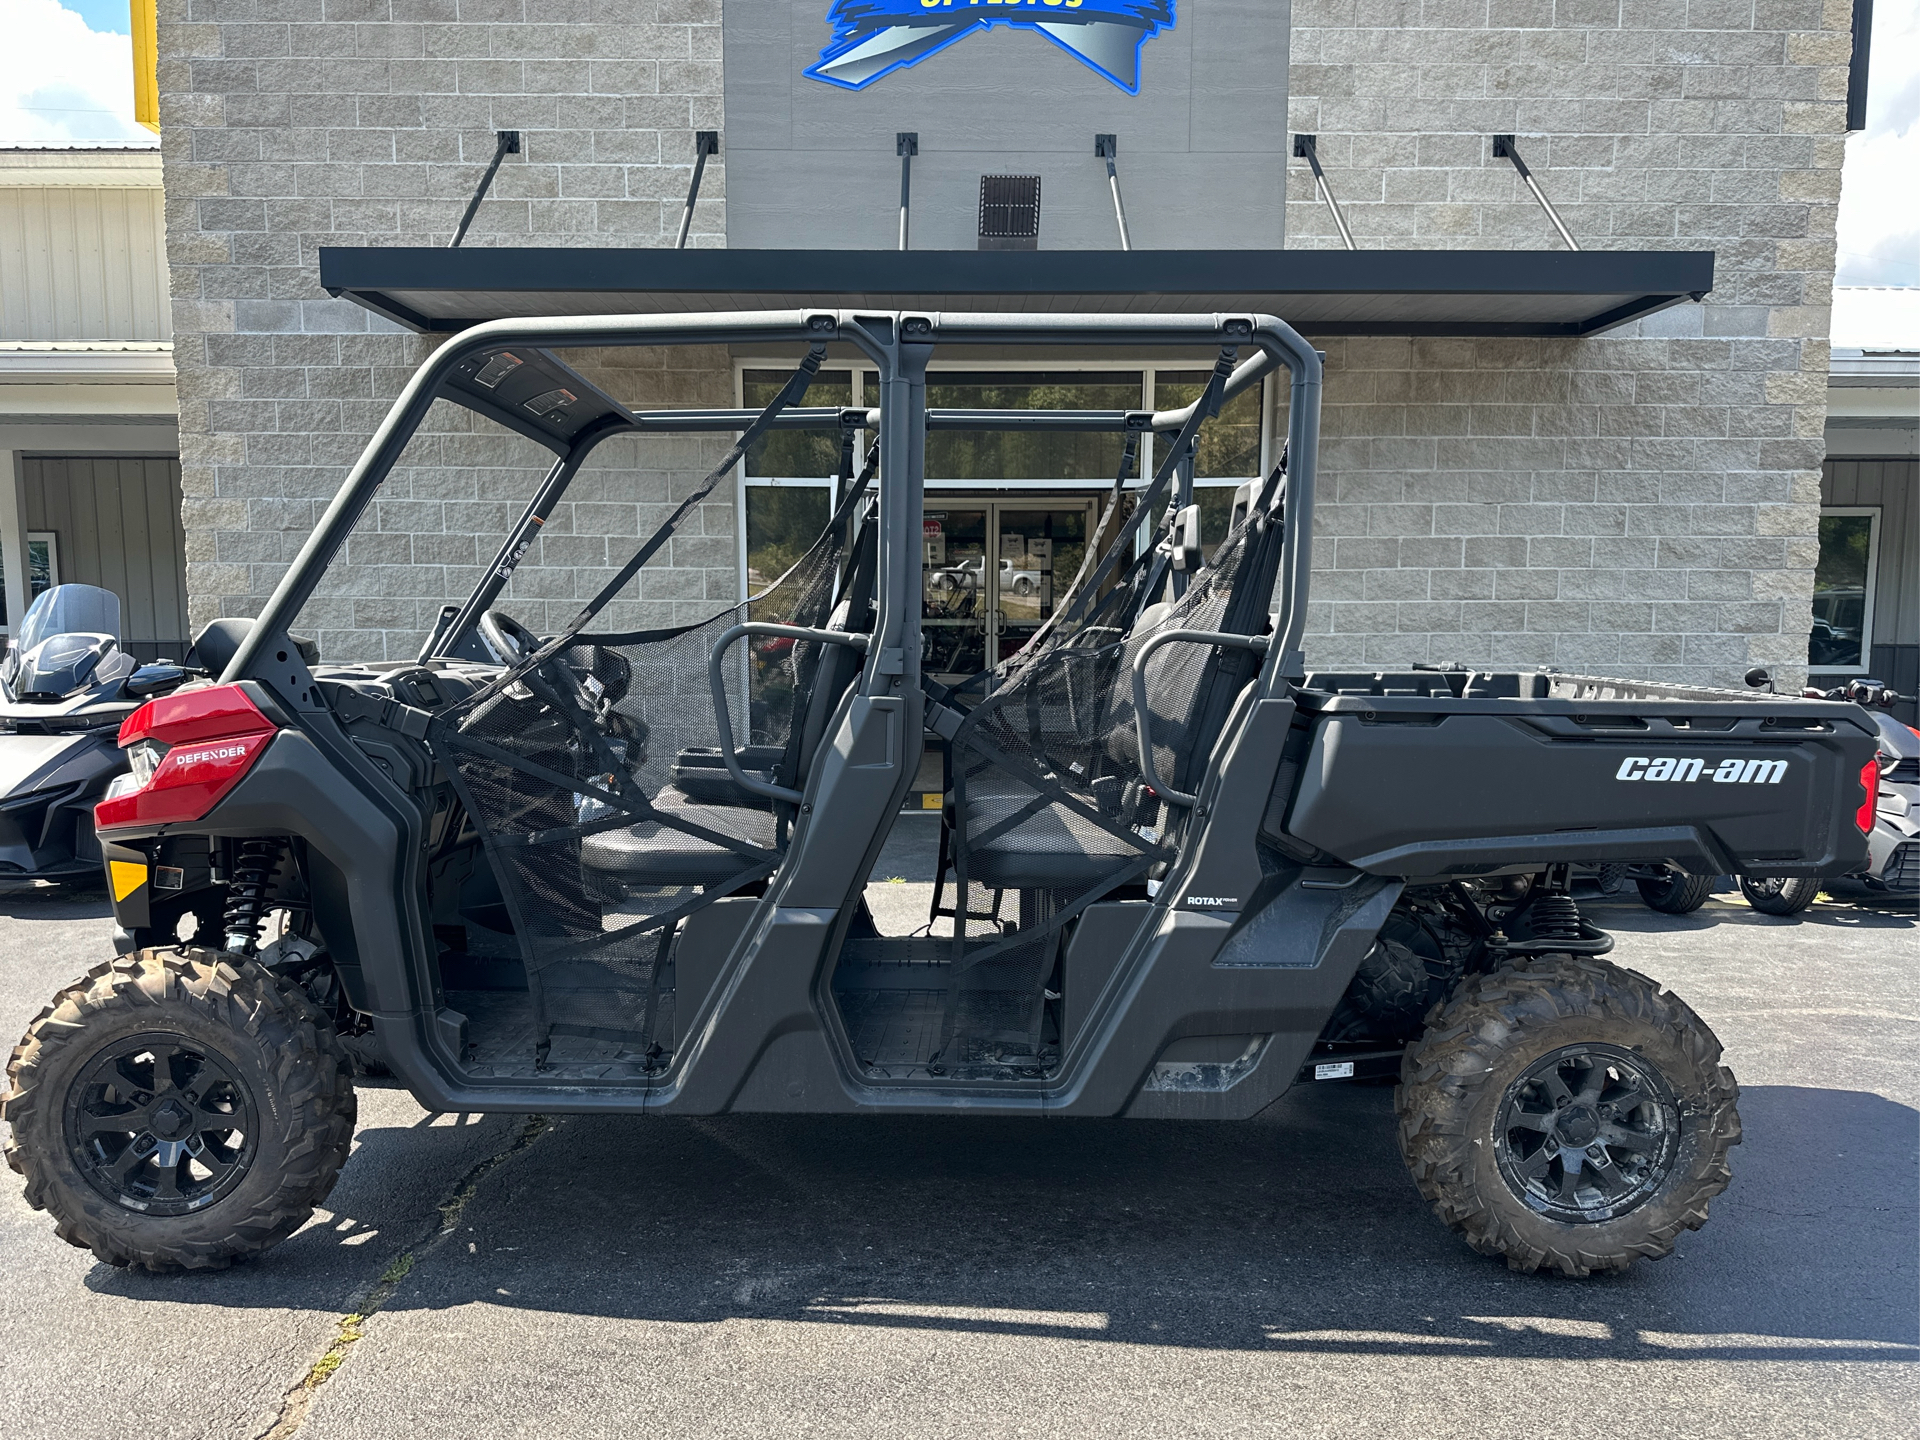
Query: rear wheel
{"type": "Point", "coordinates": [1777, 896]}
{"type": "Point", "coordinates": [1676, 892]}
{"type": "Point", "coordinates": [177, 1111]}
{"type": "Point", "coordinates": [1567, 1114]}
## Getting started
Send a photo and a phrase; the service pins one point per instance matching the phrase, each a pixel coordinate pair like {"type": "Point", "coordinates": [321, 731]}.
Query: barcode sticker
{"type": "Point", "coordinates": [1339, 1070]}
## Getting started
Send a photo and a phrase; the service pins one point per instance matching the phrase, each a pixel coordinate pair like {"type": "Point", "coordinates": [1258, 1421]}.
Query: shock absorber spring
{"type": "Point", "coordinates": [1555, 917]}
{"type": "Point", "coordinates": [249, 892]}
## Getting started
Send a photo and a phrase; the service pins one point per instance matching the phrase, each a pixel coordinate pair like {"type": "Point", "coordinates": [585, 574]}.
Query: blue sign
{"type": "Point", "coordinates": [872, 38]}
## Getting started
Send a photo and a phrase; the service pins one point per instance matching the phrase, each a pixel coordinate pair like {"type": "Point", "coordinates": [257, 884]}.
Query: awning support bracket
{"type": "Point", "coordinates": [1306, 148]}
{"type": "Point", "coordinates": [1107, 148]}
{"type": "Point", "coordinates": [906, 144]}
{"type": "Point", "coordinates": [506, 142]}
{"type": "Point", "coordinates": [705, 143]}
{"type": "Point", "coordinates": [1503, 149]}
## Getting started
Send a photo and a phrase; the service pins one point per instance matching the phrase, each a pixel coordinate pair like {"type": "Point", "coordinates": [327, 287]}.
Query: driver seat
{"type": "Point", "coordinates": [650, 854]}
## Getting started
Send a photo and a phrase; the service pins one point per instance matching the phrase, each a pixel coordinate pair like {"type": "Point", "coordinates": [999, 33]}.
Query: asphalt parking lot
{"type": "Point", "coordinates": [933, 1276]}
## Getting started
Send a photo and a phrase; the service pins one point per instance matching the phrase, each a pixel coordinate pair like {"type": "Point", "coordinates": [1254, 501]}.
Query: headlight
{"type": "Point", "coordinates": [145, 758]}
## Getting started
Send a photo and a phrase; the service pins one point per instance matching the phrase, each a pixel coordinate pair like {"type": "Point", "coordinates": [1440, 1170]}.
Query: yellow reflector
{"type": "Point", "coordinates": [930, 801]}
{"type": "Point", "coordinates": [126, 878]}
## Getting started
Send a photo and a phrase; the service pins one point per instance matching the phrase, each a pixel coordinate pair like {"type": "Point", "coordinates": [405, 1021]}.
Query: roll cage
{"type": "Point", "coordinates": [1029, 819]}
{"type": "Point", "coordinates": [505, 371]}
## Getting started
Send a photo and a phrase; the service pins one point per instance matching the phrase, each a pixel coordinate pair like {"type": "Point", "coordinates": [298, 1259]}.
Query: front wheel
{"type": "Point", "coordinates": [1675, 892]}
{"type": "Point", "coordinates": [1568, 1114]}
{"type": "Point", "coordinates": [175, 1110]}
{"type": "Point", "coordinates": [1777, 896]}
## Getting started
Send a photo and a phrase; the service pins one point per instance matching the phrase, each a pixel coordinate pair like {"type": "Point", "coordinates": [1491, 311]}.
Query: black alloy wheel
{"type": "Point", "coordinates": [161, 1124]}
{"type": "Point", "coordinates": [1587, 1133]}
{"type": "Point", "coordinates": [1567, 1114]}
{"type": "Point", "coordinates": [178, 1109]}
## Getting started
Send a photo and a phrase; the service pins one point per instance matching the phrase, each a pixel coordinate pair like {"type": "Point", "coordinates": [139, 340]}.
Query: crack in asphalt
{"type": "Point", "coordinates": [364, 1304]}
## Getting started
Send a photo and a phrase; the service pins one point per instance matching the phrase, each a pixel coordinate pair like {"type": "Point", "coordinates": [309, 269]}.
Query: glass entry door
{"type": "Point", "coordinates": [992, 573]}
{"type": "Point", "coordinates": [1040, 549]}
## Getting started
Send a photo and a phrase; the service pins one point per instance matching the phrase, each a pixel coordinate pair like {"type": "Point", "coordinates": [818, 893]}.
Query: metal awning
{"type": "Point", "coordinates": [1321, 292]}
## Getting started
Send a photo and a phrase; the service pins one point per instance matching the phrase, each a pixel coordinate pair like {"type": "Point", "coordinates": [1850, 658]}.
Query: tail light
{"type": "Point", "coordinates": [1869, 782]}
{"type": "Point", "coordinates": [187, 751]}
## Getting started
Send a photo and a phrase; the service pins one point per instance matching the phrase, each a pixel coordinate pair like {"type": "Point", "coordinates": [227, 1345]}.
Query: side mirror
{"type": "Point", "coordinates": [1185, 540]}
{"type": "Point", "coordinates": [154, 680]}
{"type": "Point", "coordinates": [1760, 678]}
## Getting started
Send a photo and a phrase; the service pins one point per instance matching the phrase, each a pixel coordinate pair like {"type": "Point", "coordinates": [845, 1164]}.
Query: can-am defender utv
{"type": "Point", "coordinates": [623, 869]}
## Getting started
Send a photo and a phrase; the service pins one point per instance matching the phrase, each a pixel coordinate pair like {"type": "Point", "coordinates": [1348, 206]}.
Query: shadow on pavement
{"type": "Point", "coordinates": [1298, 1232]}
{"type": "Point", "coordinates": [27, 901]}
{"type": "Point", "coordinates": [1855, 909]}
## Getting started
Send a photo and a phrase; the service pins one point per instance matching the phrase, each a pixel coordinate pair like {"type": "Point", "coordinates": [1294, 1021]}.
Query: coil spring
{"type": "Point", "coordinates": [248, 892]}
{"type": "Point", "coordinates": [1555, 917]}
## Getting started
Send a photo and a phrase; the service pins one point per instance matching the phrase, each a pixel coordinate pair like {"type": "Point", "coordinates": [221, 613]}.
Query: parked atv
{"type": "Point", "coordinates": [65, 686]}
{"type": "Point", "coordinates": [1183, 872]}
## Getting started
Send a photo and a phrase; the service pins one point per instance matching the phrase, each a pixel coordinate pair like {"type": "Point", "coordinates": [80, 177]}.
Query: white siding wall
{"type": "Point", "coordinates": [83, 263]}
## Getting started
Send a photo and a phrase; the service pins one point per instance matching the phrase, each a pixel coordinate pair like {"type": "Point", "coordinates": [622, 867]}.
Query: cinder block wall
{"type": "Point", "coordinates": [1643, 503]}
{"type": "Point", "coordinates": [292, 124]}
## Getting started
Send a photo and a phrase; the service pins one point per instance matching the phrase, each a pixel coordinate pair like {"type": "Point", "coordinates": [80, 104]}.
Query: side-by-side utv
{"type": "Point", "coordinates": [576, 867]}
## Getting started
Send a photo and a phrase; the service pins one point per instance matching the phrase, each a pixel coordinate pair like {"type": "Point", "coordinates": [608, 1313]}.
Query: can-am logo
{"type": "Point", "coordinates": [1727, 772]}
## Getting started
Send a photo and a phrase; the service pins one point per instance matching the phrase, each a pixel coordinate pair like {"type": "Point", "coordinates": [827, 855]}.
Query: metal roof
{"type": "Point", "coordinates": [1320, 292]}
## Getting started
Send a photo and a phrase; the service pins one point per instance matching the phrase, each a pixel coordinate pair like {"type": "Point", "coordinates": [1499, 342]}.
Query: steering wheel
{"type": "Point", "coordinates": [506, 637]}
{"type": "Point", "coordinates": [514, 642]}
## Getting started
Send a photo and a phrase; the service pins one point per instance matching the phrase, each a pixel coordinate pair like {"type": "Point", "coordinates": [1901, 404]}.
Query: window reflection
{"type": "Point", "coordinates": [1842, 590]}
{"type": "Point", "coordinates": [996, 456]}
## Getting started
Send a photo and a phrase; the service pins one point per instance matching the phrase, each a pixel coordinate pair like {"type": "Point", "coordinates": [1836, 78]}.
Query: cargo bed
{"type": "Point", "coordinates": [1430, 774]}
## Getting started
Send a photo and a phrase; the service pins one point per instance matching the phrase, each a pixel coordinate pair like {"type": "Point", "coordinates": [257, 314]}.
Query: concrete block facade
{"type": "Point", "coordinates": [1644, 502]}
{"type": "Point", "coordinates": [292, 124]}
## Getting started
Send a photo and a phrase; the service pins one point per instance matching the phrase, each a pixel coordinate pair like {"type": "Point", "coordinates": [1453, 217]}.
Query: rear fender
{"type": "Point", "coordinates": [354, 852]}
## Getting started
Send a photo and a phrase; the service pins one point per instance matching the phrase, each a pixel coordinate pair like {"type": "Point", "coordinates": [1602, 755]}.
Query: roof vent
{"type": "Point", "coordinates": [1009, 212]}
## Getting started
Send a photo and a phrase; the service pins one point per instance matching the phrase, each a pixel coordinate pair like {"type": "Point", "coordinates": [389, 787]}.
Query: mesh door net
{"type": "Point", "coordinates": [1048, 796]}
{"type": "Point", "coordinates": [592, 773]}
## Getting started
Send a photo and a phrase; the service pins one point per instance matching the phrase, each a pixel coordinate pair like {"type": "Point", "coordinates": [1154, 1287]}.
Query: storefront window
{"type": "Point", "coordinates": [782, 523]}
{"type": "Point", "coordinates": [1843, 590]}
{"type": "Point", "coordinates": [996, 456]}
{"type": "Point", "coordinates": [1229, 446]}
{"type": "Point", "coordinates": [792, 454]}
{"type": "Point", "coordinates": [1230, 442]}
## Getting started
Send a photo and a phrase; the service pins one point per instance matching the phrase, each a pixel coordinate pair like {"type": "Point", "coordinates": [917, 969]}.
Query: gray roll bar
{"type": "Point", "coordinates": [1142, 715]}
{"type": "Point", "coordinates": [723, 717]}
